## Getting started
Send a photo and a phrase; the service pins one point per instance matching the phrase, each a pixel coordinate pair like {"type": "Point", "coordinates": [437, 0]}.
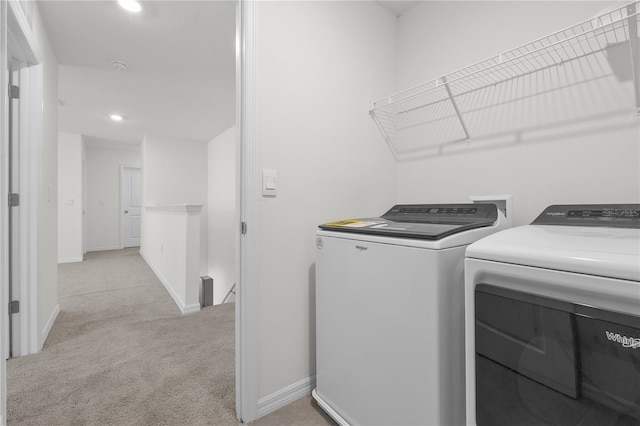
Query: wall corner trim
{"type": "Point", "coordinates": [286, 395]}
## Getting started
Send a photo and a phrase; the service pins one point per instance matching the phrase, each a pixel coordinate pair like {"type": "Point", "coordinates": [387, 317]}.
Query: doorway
{"type": "Point", "coordinates": [131, 206]}
{"type": "Point", "coordinates": [50, 192]}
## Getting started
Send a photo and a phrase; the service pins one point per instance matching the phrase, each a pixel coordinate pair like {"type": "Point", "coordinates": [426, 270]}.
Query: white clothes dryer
{"type": "Point", "coordinates": [553, 320]}
{"type": "Point", "coordinates": [390, 314]}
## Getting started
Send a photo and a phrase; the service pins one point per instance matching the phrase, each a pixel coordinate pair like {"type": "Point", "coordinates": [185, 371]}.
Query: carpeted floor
{"type": "Point", "coordinates": [120, 353]}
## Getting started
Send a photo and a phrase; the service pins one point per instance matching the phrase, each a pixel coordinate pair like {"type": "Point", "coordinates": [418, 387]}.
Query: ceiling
{"type": "Point", "coordinates": [180, 80]}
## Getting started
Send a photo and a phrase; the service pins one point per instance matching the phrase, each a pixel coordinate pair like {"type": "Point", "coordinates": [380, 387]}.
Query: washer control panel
{"type": "Point", "coordinates": [439, 213]}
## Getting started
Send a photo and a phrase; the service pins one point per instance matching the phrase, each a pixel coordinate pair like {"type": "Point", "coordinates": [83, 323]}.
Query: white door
{"type": "Point", "coordinates": [131, 206]}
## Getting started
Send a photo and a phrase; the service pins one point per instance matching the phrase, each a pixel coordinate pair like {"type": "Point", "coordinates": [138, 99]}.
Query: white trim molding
{"type": "Point", "coordinates": [183, 208]}
{"type": "Point", "coordinates": [189, 309]}
{"type": "Point", "coordinates": [70, 260]}
{"type": "Point", "coordinates": [30, 133]}
{"type": "Point", "coordinates": [21, 38]}
{"type": "Point", "coordinates": [286, 396]}
{"type": "Point", "coordinates": [49, 325]}
{"type": "Point", "coordinates": [105, 248]}
{"type": "Point", "coordinates": [247, 250]}
{"type": "Point", "coordinates": [21, 47]}
{"type": "Point", "coordinates": [328, 409]}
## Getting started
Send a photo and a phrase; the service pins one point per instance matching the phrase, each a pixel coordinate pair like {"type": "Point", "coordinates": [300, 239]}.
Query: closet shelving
{"type": "Point", "coordinates": [582, 71]}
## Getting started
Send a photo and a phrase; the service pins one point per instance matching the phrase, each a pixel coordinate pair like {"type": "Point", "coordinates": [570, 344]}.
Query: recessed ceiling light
{"type": "Point", "coordinates": [130, 5]}
{"type": "Point", "coordinates": [115, 117]}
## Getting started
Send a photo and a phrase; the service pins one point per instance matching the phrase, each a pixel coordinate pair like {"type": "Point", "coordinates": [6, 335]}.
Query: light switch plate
{"type": "Point", "coordinates": [269, 183]}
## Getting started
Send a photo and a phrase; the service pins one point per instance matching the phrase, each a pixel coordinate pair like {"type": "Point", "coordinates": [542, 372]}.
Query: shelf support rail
{"type": "Point", "coordinates": [456, 109]}
{"type": "Point", "coordinates": [382, 130]}
{"type": "Point", "coordinates": [635, 52]}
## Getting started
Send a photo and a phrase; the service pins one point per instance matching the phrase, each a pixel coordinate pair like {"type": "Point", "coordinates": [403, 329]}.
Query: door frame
{"type": "Point", "coordinates": [21, 45]}
{"type": "Point", "coordinates": [16, 38]}
{"type": "Point", "coordinates": [123, 169]}
{"type": "Point", "coordinates": [4, 224]}
{"type": "Point", "coordinates": [247, 320]}
{"type": "Point", "coordinates": [247, 290]}
{"type": "Point", "coordinates": [30, 138]}
{"type": "Point", "coordinates": [83, 194]}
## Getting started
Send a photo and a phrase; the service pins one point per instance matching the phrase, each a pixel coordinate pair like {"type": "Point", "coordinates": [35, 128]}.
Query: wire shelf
{"type": "Point", "coordinates": [581, 72]}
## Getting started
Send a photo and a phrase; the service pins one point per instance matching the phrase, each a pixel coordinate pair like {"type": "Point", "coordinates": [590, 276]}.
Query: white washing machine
{"type": "Point", "coordinates": [553, 320]}
{"type": "Point", "coordinates": [389, 314]}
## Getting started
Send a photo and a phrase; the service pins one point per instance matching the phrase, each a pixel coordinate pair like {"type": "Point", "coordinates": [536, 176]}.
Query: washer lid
{"type": "Point", "coordinates": [593, 250]}
{"type": "Point", "coordinates": [421, 221]}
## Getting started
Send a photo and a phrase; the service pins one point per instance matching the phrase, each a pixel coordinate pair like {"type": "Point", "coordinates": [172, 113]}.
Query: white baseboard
{"type": "Point", "coordinates": [328, 409]}
{"type": "Point", "coordinates": [105, 248]}
{"type": "Point", "coordinates": [189, 309]}
{"type": "Point", "coordinates": [70, 260]}
{"type": "Point", "coordinates": [49, 325]}
{"type": "Point", "coordinates": [184, 309]}
{"type": "Point", "coordinates": [286, 396]}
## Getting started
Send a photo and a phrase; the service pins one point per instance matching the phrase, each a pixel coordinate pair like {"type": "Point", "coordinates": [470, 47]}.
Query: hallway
{"type": "Point", "coordinates": [121, 353]}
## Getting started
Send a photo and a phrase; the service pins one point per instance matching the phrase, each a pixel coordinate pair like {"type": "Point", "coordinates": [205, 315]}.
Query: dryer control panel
{"type": "Point", "coordinates": [608, 215]}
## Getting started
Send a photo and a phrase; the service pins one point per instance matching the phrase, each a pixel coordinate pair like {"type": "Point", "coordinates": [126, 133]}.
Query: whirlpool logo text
{"type": "Point", "coordinates": [626, 342]}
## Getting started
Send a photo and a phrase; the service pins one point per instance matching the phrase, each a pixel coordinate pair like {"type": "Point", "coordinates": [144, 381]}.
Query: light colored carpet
{"type": "Point", "coordinates": [120, 353]}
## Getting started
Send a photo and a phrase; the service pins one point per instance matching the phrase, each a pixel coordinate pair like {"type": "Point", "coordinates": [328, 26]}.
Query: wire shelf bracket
{"type": "Point", "coordinates": [456, 109]}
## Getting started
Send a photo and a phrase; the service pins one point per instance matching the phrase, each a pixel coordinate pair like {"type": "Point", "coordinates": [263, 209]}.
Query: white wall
{"type": "Point", "coordinates": [103, 193]}
{"type": "Point", "coordinates": [583, 163]}
{"type": "Point", "coordinates": [69, 197]}
{"type": "Point", "coordinates": [223, 225]}
{"type": "Point", "coordinates": [172, 251]}
{"type": "Point", "coordinates": [174, 171]}
{"type": "Point", "coordinates": [48, 185]}
{"type": "Point", "coordinates": [319, 65]}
